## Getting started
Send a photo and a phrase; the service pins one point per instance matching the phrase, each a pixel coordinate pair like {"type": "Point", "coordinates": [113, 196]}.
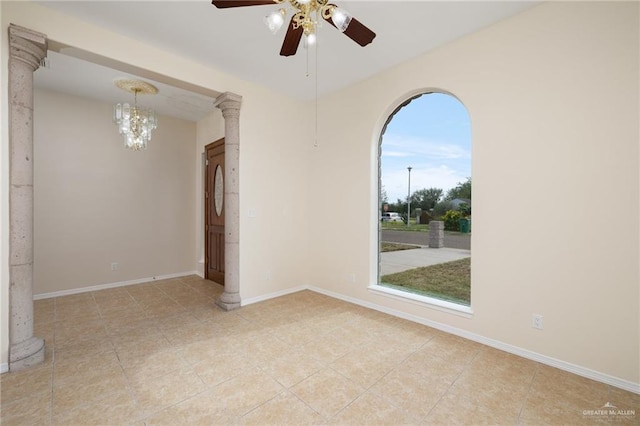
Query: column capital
{"type": "Point", "coordinates": [27, 46]}
{"type": "Point", "coordinates": [229, 103]}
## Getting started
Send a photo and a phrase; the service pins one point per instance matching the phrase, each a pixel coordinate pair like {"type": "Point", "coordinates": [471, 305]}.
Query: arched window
{"type": "Point", "coordinates": [425, 200]}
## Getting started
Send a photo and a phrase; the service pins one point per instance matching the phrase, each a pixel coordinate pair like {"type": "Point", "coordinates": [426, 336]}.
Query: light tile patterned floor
{"type": "Point", "coordinates": [162, 353]}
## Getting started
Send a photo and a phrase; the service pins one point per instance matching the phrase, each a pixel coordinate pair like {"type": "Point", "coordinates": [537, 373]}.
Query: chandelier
{"type": "Point", "coordinates": [307, 14]}
{"type": "Point", "coordinates": [135, 123]}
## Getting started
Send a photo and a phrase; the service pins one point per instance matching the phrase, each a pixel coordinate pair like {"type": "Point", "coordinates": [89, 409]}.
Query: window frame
{"type": "Point", "coordinates": [376, 287]}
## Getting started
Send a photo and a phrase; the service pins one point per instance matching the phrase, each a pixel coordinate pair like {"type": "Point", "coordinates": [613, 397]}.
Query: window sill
{"type": "Point", "coordinates": [426, 301]}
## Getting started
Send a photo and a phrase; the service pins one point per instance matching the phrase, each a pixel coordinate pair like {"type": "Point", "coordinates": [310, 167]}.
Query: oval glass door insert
{"type": "Point", "coordinates": [218, 190]}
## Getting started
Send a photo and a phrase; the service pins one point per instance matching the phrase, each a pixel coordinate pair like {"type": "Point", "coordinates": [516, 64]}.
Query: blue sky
{"type": "Point", "coordinates": [433, 135]}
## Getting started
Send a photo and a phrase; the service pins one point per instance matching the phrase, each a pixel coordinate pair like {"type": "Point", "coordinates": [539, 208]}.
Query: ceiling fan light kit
{"type": "Point", "coordinates": [306, 18]}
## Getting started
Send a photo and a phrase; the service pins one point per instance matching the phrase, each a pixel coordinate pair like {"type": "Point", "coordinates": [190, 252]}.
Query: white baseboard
{"type": "Point", "coordinates": [4, 368]}
{"type": "Point", "coordinates": [200, 268]}
{"type": "Point", "coordinates": [110, 285]}
{"type": "Point", "coordinates": [272, 295]}
{"type": "Point", "coordinates": [525, 353]}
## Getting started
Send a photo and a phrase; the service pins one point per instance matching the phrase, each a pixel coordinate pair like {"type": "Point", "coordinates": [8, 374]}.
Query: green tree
{"type": "Point", "coordinates": [384, 199]}
{"type": "Point", "coordinates": [426, 199]}
{"type": "Point", "coordinates": [442, 207]}
{"type": "Point", "coordinates": [452, 220]}
{"type": "Point", "coordinates": [462, 190]}
{"type": "Point", "coordinates": [399, 206]}
{"type": "Point", "coordinates": [465, 209]}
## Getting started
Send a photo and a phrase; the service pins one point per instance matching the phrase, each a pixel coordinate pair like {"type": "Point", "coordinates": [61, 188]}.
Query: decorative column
{"type": "Point", "coordinates": [229, 104]}
{"type": "Point", "coordinates": [26, 49]}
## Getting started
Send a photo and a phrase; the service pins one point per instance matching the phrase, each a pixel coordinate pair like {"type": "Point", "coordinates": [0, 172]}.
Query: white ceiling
{"type": "Point", "coordinates": [237, 42]}
{"type": "Point", "coordinates": [79, 77]}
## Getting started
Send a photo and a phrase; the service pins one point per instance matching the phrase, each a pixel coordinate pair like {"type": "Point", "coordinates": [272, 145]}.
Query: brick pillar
{"type": "Point", "coordinates": [436, 234]}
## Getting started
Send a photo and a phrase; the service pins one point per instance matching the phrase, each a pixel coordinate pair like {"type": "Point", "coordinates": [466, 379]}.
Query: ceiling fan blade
{"type": "Point", "coordinates": [224, 4]}
{"type": "Point", "coordinates": [291, 40]}
{"type": "Point", "coordinates": [357, 32]}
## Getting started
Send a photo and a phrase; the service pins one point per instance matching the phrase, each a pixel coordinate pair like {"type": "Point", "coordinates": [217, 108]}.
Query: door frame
{"type": "Point", "coordinates": [208, 204]}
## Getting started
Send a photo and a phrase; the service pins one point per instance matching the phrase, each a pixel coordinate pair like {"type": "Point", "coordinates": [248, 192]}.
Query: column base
{"type": "Point", "coordinates": [26, 354]}
{"type": "Point", "coordinates": [228, 301]}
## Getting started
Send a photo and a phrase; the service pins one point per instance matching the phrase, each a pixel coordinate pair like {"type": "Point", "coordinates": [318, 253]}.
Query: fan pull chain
{"type": "Point", "coordinates": [307, 59]}
{"type": "Point", "coordinates": [315, 142]}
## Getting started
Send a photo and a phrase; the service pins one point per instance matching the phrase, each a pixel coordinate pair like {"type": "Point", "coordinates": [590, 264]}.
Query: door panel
{"type": "Point", "coordinates": [214, 212]}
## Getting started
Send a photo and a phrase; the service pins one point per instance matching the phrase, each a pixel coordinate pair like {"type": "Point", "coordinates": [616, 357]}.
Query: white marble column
{"type": "Point", "coordinates": [27, 48]}
{"type": "Point", "coordinates": [229, 103]}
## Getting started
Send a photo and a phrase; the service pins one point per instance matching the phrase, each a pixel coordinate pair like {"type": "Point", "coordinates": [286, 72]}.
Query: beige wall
{"type": "Point", "coordinates": [97, 202]}
{"type": "Point", "coordinates": [553, 99]}
{"type": "Point", "coordinates": [274, 151]}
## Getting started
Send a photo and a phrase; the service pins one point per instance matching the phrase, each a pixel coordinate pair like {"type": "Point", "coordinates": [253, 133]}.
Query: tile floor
{"type": "Point", "coordinates": [162, 353]}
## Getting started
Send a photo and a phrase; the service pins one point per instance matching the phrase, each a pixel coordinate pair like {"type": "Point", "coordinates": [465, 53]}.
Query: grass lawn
{"type": "Point", "coordinates": [386, 247]}
{"type": "Point", "coordinates": [450, 281]}
{"type": "Point", "coordinates": [399, 226]}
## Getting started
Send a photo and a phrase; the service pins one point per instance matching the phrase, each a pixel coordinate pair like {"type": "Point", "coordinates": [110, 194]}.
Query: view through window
{"type": "Point", "coordinates": [425, 185]}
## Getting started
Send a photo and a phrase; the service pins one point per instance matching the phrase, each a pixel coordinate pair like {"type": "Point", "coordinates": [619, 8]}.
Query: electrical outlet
{"type": "Point", "coordinates": [352, 277]}
{"type": "Point", "coordinates": [537, 321]}
{"type": "Point", "coordinates": [115, 266]}
{"type": "Point", "coordinates": [267, 276]}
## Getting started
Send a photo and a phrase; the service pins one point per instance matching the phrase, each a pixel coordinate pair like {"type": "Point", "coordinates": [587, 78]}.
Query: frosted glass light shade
{"type": "Point", "coordinates": [309, 40]}
{"type": "Point", "coordinates": [274, 20]}
{"type": "Point", "coordinates": [341, 18]}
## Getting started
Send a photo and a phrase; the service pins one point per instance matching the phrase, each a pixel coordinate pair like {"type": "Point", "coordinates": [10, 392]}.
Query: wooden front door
{"type": "Point", "coordinates": [214, 212]}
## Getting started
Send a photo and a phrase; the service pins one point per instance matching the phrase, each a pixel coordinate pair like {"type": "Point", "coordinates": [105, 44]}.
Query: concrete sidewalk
{"type": "Point", "coordinates": [403, 260]}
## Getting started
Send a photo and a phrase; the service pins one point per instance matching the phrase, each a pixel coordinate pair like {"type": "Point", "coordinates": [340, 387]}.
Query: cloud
{"type": "Point", "coordinates": [396, 183]}
{"type": "Point", "coordinates": [396, 154]}
{"type": "Point", "coordinates": [404, 146]}
{"type": "Point", "coordinates": [435, 164]}
{"type": "Point", "coordinates": [432, 134]}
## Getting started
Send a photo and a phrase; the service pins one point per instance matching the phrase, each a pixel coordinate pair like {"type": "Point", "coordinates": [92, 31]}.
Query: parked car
{"type": "Point", "coordinates": [391, 217]}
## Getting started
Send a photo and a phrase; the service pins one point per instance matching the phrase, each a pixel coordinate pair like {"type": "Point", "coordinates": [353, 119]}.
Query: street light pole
{"type": "Point", "coordinates": [409, 197]}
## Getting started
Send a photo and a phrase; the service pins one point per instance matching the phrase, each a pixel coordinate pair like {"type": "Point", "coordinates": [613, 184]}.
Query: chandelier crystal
{"type": "Point", "coordinates": [134, 123]}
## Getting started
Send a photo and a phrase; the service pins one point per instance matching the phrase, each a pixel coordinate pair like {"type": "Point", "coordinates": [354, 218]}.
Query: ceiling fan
{"type": "Point", "coordinates": [305, 20]}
